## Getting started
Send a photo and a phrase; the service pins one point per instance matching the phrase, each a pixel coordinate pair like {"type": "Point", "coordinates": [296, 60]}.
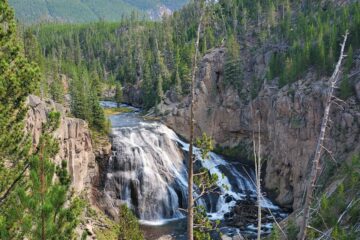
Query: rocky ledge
{"type": "Point", "coordinates": [76, 144]}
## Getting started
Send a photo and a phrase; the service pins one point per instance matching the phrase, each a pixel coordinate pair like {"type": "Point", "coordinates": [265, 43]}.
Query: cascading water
{"type": "Point", "coordinates": [148, 173]}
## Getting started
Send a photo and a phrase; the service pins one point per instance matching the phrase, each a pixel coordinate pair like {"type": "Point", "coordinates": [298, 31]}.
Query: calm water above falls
{"type": "Point", "coordinates": [148, 173]}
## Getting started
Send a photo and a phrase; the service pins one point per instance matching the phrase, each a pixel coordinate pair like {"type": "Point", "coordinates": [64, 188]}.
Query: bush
{"type": "Point", "coordinates": [343, 201]}
{"type": "Point", "coordinates": [128, 225]}
{"type": "Point", "coordinates": [346, 90]}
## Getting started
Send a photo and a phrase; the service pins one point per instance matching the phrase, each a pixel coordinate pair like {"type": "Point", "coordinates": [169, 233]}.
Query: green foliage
{"type": "Point", "coordinates": [18, 78]}
{"type": "Point", "coordinates": [62, 174]}
{"type": "Point", "coordinates": [205, 144]}
{"type": "Point", "coordinates": [157, 56]}
{"type": "Point", "coordinates": [203, 225]}
{"type": "Point", "coordinates": [346, 89]}
{"type": "Point", "coordinates": [233, 66]}
{"type": "Point", "coordinates": [84, 98]}
{"type": "Point", "coordinates": [128, 225]}
{"type": "Point", "coordinates": [275, 234]}
{"type": "Point", "coordinates": [45, 215]}
{"type": "Point", "coordinates": [42, 207]}
{"type": "Point", "coordinates": [292, 230]}
{"type": "Point", "coordinates": [344, 201]}
{"type": "Point", "coordinates": [118, 93]}
{"type": "Point", "coordinates": [153, 56]}
{"type": "Point", "coordinates": [56, 87]}
{"type": "Point", "coordinates": [207, 184]}
{"type": "Point", "coordinates": [314, 42]}
{"type": "Point", "coordinates": [241, 151]}
{"type": "Point", "coordinates": [118, 110]}
{"type": "Point", "coordinates": [349, 59]}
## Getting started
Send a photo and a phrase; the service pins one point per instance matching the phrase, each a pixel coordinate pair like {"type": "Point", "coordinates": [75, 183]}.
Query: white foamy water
{"type": "Point", "coordinates": [148, 172]}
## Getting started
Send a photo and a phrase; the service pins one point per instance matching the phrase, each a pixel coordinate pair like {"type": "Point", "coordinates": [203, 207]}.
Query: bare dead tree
{"type": "Point", "coordinates": [333, 81]}
{"type": "Point", "coordinates": [190, 210]}
{"type": "Point", "coordinates": [257, 159]}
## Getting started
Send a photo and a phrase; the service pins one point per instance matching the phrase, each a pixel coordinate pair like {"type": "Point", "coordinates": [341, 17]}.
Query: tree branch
{"type": "Point", "coordinates": [12, 186]}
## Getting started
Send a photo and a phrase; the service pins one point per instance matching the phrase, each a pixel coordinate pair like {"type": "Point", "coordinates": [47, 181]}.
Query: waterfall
{"type": "Point", "coordinates": [148, 172]}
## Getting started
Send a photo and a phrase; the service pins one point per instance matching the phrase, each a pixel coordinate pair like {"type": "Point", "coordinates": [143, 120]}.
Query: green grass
{"type": "Point", "coordinates": [114, 111]}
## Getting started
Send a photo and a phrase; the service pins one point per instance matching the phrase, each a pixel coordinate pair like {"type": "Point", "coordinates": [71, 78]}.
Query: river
{"type": "Point", "coordinates": [147, 171]}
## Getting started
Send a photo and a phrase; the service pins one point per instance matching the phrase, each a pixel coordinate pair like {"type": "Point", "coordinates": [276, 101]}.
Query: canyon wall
{"type": "Point", "coordinates": [75, 142]}
{"type": "Point", "coordinates": [289, 118]}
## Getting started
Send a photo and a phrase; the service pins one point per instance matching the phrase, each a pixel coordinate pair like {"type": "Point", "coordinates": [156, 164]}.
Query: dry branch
{"type": "Point", "coordinates": [316, 161]}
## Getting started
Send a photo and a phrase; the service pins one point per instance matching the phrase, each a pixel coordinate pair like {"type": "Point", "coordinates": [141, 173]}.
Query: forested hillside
{"type": "Point", "coordinates": [35, 11]}
{"type": "Point", "coordinates": [262, 72]}
{"type": "Point", "coordinates": [156, 56]}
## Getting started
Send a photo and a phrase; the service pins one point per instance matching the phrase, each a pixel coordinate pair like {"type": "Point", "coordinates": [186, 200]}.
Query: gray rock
{"type": "Point", "coordinates": [34, 101]}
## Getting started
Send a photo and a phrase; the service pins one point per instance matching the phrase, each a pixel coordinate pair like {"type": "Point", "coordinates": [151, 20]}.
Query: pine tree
{"type": "Point", "coordinates": [128, 225]}
{"type": "Point", "coordinates": [271, 17]}
{"type": "Point", "coordinates": [56, 86]}
{"type": "Point", "coordinates": [96, 82]}
{"type": "Point", "coordinates": [259, 14]}
{"type": "Point", "coordinates": [18, 78]}
{"type": "Point", "coordinates": [346, 90]}
{"type": "Point", "coordinates": [118, 93]}
{"type": "Point", "coordinates": [32, 48]}
{"type": "Point", "coordinates": [232, 69]}
{"type": "Point", "coordinates": [349, 59]}
{"type": "Point", "coordinates": [178, 83]}
{"type": "Point", "coordinates": [80, 94]}
{"type": "Point", "coordinates": [244, 19]}
{"type": "Point", "coordinates": [97, 118]}
{"type": "Point", "coordinates": [159, 89]}
{"type": "Point", "coordinates": [43, 198]}
{"type": "Point", "coordinates": [148, 88]}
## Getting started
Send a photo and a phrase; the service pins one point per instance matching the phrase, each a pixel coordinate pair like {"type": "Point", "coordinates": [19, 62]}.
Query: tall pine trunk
{"type": "Point", "coordinates": [319, 147]}
{"type": "Point", "coordinates": [42, 190]}
{"type": "Point", "coordinates": [190, 210]}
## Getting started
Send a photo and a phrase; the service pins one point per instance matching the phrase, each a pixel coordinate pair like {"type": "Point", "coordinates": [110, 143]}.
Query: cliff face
{"type": "Point", "coordinates": [289, 118]}
{"type": "Point", "coordinates": [74, 138]}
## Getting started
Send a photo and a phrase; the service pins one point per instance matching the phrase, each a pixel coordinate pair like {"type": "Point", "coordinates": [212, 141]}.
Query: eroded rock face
{"type": "Point", "coordinates": [74, 138]}
{"type": "Point", "coordinates": [289, 119]}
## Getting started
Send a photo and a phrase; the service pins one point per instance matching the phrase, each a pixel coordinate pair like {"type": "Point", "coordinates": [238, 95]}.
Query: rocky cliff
{"type": "Point", "coordinates": [289, 119]}
{"type": "Point", "coordinates": [76, 145]}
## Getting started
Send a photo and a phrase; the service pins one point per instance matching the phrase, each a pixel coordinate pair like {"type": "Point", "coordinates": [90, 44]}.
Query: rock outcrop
{"type": "Point", "coordinates": [74, 137]}
{"type": "Point", "coordinates": [289, 119]}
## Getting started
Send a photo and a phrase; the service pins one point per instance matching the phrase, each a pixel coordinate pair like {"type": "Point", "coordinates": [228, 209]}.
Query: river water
{"type": "Point", "coordinates": [148, 173]}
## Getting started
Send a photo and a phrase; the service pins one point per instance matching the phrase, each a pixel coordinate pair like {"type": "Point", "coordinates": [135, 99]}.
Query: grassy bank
{"type": "Point", "coordinates": [118, 110]}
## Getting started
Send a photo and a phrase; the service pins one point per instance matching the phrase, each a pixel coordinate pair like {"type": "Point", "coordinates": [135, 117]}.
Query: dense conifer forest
{"type": "Point", "coordinates": [75, 60]}
{"type": "Point", "coordinates": [156, 56]}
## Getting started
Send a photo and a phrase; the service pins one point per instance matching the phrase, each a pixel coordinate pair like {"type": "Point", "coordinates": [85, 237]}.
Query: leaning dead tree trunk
{"type": "Point", "coordinates": [190, 210]}
{"type": "Point", "coordinates": [257, 159]}
{"type": "Point", "coordinates": [333, 81]}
